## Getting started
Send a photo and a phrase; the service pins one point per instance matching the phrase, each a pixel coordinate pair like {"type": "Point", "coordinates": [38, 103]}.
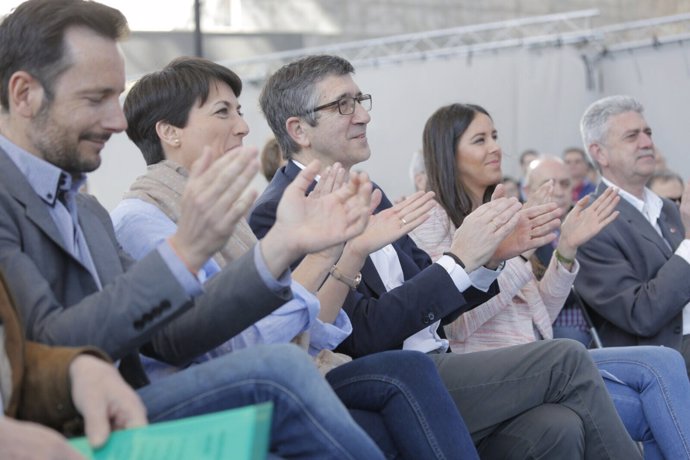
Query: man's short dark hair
{"type": "Point", "coordinates": [169, 95]}
{"type": "Point", "coordinates": [291, 91]}
{"type": "Point", "coordinates": [32, 38]}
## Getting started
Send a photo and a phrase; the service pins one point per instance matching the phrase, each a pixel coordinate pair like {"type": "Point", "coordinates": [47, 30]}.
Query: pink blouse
{"type": "Point", "coordinates": [523, 308]}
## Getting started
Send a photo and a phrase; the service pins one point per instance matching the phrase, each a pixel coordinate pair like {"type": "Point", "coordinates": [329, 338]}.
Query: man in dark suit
{"type": "Point", "coordinates": [635, 272]}
{"type": "Point", "coordinates": [62, 73]}
{"type": "Point", "coordinates": [515, 401]}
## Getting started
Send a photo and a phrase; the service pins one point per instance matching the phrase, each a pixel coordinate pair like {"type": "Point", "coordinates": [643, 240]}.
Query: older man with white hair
{"type": "Point", "coordinates": [635, 272]}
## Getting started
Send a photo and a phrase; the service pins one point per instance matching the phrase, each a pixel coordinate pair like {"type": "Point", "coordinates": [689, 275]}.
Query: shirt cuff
{"type": "Point", "coordinates": [483, 277]}
{"type": "Point", "coordinates": [328, 336]}
{"type": "Point", "coordinates": [460, 278]}
{"type": "Point", "coordinates": [273, 284]}
{"type": "Point", "coordinates": [187, 280]}
{"type": "Point", "coordinates": [683, 250]}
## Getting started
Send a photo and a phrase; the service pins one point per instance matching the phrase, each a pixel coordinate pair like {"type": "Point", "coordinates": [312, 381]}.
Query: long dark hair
{"type": "Point", "coordinates": [442, 133]}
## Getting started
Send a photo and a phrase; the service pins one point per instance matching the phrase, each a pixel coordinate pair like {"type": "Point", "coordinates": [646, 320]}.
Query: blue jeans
{"type": "Point", "coordinates": [308, 419]}
{"type": "Point", "coordinates": [650, 389]}
{"type": "Point", "coordinates": [400, 400]}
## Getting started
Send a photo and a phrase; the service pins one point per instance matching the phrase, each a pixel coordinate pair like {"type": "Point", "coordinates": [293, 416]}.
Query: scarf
{"type": "Point", "coordinates": [163, 185]}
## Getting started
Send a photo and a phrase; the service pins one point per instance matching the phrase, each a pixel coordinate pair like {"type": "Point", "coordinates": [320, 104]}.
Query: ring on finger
{"type": "Point", "coordinates": [404, 222]}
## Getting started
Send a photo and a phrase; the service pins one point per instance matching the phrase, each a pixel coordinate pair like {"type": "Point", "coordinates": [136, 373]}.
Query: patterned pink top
{"type": "Point", "coordinates": [524, 306]}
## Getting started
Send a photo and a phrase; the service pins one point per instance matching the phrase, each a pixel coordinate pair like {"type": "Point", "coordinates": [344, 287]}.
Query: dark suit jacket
{"type": "Point", "coordinates": [382, 320]}
{"type": "Point", "coordinates": [633, 282]}
{"type": "Point", "coordinates": [140, 304]}
{"type": "Point", "coordinates": [40, 374]}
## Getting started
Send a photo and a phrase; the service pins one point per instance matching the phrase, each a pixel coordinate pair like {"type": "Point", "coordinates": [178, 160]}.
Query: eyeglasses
{"type": "Point", "coordinates": [675, 199]}
{"type": "Point", "coordinates": [346, 104]}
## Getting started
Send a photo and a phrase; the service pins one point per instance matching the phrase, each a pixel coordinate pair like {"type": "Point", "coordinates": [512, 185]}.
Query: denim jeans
{"type": "Point", "coordinates": [404, 391]}
{"type": "Point", "coordinates": [309, 421]}
{"type": "Point", "coordinates": [650, 389]}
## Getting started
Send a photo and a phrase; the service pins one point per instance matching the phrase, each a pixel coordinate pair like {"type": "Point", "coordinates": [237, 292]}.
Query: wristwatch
{"type": "Point", "coordinates": [352, 283]}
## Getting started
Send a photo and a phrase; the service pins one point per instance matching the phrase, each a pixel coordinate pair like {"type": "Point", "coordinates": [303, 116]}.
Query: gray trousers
{"type": "Point", "coordinates": [685, 351]}
{"type": "Point", "coordinates": [541, 400]}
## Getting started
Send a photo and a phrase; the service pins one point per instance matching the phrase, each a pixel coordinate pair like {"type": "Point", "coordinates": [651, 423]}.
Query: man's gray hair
{"type": "Point", "coordinates": [594, 123]}
{"type": "Point", "coordinates": [291, 91]}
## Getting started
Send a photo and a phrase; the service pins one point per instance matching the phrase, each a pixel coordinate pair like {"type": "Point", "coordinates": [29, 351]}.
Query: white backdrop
{"type": "Point", "coordinates": [535, 98]}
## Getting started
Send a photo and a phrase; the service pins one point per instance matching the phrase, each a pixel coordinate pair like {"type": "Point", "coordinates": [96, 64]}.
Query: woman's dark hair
{"type": "Point", "coordinates": [442, 133]}
{"type": "Point", "coordinates": [169, 95]}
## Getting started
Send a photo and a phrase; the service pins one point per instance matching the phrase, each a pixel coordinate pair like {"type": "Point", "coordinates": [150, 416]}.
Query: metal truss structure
{"type": "Point", "coordinates": [554, 30]}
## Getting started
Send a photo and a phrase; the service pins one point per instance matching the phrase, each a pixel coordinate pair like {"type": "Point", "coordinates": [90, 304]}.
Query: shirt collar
{"type": "Point", "coordinates": [45, 178]}
{"type": "Point", "coordinates": [301, 166]}
{"type": "Point", "coordinates": [650, 205]}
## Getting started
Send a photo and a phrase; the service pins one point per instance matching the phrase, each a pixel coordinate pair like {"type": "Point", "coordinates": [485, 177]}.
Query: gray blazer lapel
{"type": "Point", "coordinates": [643, 227]}
{"type": "Point", "coordinates": [672, 231]}
{"type": "Point", "coordinates": [104, 254]}
{"type": "Point", "coordinates": [639, 224]}
{"type": "Point", "coordinates": [18, 187]}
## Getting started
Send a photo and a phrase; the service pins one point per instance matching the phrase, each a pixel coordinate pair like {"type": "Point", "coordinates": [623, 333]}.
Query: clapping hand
{"type": "Point", "coordinates": [537, 221]}
{"type": "Point", "coordinates": [392, 223]}
{"type": "Point", "coordinates": [483, 230]}
{"type": "Point", "coordinates": [584, 222]}
{"type": "Point", "coordinates": [311, 224]}
{"type": "Point", "coordinates": [214, 200]}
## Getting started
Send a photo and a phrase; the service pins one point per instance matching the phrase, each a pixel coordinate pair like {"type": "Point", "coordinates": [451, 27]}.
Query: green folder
{"type": "Point", "coordinates": [236, 434]}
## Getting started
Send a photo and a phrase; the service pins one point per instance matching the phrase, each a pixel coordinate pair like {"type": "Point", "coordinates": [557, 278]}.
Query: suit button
{"type": "Point", "coordinates": [148, 317]}
{"type": "Point", "coordinates": [431, 317]}
{"type": "Point", "coordinates": [677, 330]}
{"type": "Point", "coordinates": [138, 325]}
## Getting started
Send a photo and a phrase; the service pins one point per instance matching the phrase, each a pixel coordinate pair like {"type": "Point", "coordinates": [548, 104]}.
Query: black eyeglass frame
{"type": "Point", "coordinates": [358, 99]}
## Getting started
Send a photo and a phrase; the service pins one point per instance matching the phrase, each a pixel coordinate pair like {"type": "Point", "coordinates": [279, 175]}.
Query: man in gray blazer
{"type": "Point", "coordinates": [635, 273]}
{"type": "Point", "coordinates": [62, 73]}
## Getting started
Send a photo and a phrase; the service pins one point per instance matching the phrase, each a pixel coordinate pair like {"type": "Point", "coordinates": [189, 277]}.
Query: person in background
{"type": "Point", "coordinates": [417, 172]}
{"type": "Point", "coordinates": [570, 322]}
{"type": "Point", "coordinates": [647, 384]}
{"type": "Point", "coordinates": [578, 164]}
{"type": "Point", "coordinates": [511, 187]}
{"type": "Point", "coordinates": [667, 184]}
{"type": "Point", "coordinates": [271, 158]}
{"type": "Point", "coordinates": [526, 158]}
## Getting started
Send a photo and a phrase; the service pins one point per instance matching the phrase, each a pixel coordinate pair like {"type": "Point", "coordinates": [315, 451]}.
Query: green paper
{"type": "Point", "coordinates": [235, 434]}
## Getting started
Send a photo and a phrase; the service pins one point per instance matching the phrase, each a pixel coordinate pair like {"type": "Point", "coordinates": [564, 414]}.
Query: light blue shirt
{"type": "Point", "coordinates": [49, 181]}
{"type": "Point", "coordinates": [141, 226]}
